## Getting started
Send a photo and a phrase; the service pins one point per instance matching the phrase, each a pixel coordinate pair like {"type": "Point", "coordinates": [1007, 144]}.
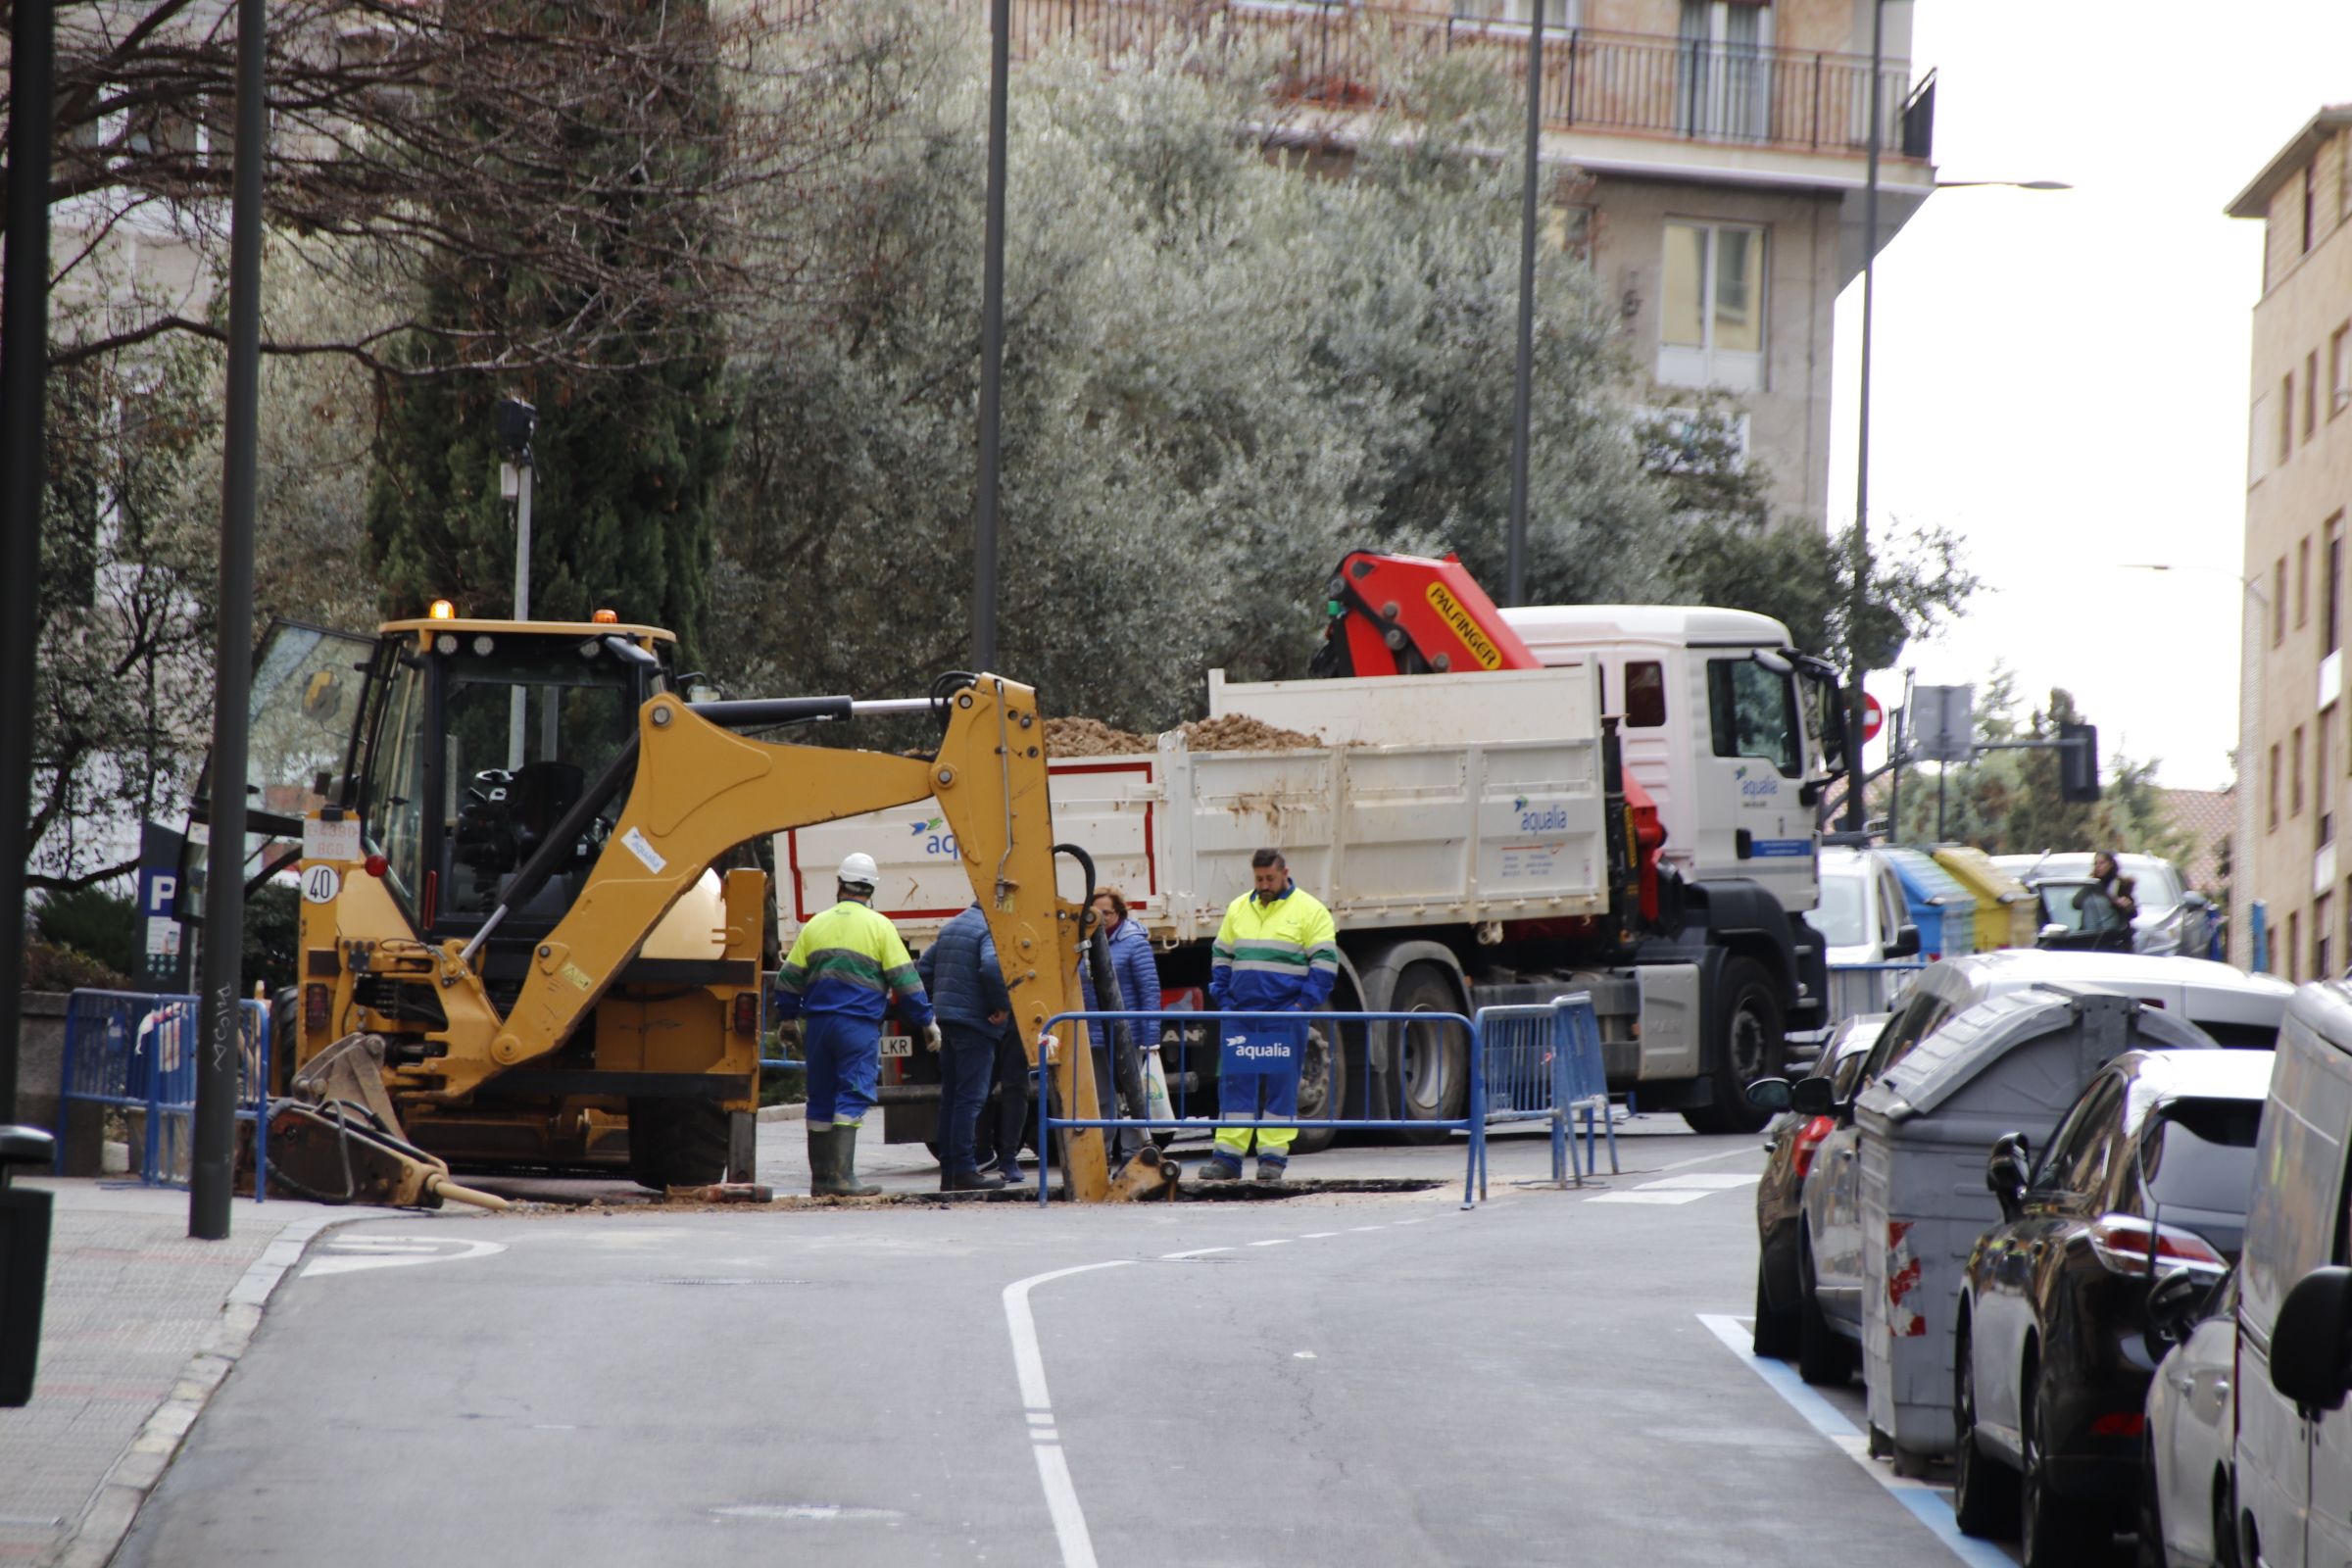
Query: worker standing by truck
{"type": "Point", "coordinates": [1277, 952]}
{"type": "Point", "coordinates": [844, 971]}
{"type": "Point", "coordinates": [966, 984]}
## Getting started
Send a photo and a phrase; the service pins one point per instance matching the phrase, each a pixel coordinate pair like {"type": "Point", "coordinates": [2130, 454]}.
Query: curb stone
{"type": "Point", "coordinates": [93, 1537]}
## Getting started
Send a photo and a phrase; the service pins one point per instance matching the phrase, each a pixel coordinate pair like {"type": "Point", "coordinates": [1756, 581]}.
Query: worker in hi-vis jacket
{"type": "Point", "coordinates": [1277, 952]}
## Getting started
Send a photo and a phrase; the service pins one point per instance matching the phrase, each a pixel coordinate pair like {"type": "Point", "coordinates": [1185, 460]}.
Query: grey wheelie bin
{"type": "Point", "coordinates": [2013, 1063]}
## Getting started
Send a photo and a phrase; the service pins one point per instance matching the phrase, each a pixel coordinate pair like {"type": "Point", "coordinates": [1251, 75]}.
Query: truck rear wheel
{"type": "Point", "coordinates": [1748, 1043]}
{"type": "Point", "coordinates": [1322, 1086]}
{"type": "Point", "coordinates": [677, 1143]}
{"type": "Point", "coordinates": [1430, 1071]}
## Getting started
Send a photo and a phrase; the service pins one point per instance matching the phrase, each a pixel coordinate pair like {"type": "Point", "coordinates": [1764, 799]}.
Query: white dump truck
{"type": "Point", "coordinates": [1476, 844]}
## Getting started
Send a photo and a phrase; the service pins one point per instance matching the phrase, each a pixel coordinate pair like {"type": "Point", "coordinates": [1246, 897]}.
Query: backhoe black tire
{"type": "Point", "coordinates": [1322, 1087]}
{"type": "Point", "coordinates": [677, 1143]}
{"type": "Point", "coordinates": [1431, 1061]}
{"type": "Point", "coordinates": [1746, 1042]}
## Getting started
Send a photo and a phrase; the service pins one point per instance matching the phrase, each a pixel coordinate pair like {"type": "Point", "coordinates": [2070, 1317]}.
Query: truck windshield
{"type": "Point", "coordinates": [1840, 917]}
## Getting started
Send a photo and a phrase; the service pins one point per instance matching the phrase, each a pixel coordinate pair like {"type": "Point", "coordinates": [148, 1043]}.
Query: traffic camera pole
{"type": "Point", "coordinates": [24, 468]}
{"type": "Point", "coordinates": [219, 1037]}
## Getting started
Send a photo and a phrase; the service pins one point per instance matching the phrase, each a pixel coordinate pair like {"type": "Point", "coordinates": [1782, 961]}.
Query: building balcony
{"type": "Point", "coordinates": [1341, 58]}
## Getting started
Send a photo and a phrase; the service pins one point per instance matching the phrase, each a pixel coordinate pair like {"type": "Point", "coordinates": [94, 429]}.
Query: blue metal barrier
{"type": "Point", "coordinates": [1543, 1063]}
{"type": "Point", "coordinates": [137, 1053]}
{"type": "Point", "coordinates": [1474, 1122]}
{"type": "Point", "coordinates": [1859, 988]}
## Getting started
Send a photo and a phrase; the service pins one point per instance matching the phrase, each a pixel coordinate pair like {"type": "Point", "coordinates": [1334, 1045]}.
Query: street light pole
{"type": "Point", "coordinates": [220, 1024]}
{"type": "Point", "coordinates": [24, 469]}
{"type": "Point", "coordinates": [1857, 609]}
{"type": "Point", "coordinates": [992, 346]}
{"type": "Point", "coordinates": [1523, 391]}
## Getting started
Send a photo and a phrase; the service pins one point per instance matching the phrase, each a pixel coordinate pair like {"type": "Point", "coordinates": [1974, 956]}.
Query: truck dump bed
{"type": "Point", "coordinates": [1432, 800]}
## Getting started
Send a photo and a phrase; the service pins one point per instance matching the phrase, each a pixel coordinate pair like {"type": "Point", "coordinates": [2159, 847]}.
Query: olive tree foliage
{"type": "Point", "coordinates": [1226, 364]}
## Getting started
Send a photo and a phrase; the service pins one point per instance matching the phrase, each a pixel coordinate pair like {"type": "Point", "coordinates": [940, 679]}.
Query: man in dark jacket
{"type": "Point", "coordinates": [966, 986]}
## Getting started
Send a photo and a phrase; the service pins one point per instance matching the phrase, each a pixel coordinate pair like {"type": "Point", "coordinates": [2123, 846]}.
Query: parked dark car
{"type": "Point", "coordinates": [1794, 1139]}
{"type": "Point", "coordinates": [2150, 1171]}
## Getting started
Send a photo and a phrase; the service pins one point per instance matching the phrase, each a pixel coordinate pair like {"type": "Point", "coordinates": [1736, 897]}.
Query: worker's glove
{"type": "Point", "coordinates": [930, 1037]}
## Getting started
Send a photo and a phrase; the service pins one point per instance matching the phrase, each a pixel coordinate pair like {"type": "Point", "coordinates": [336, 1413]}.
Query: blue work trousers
{"type": "Point", "coordinates": [1249, 1100]}
{"type": "Point", "coordinates": [845, 1059]}
{"type": "Point", "coordinates": [966, 1057]}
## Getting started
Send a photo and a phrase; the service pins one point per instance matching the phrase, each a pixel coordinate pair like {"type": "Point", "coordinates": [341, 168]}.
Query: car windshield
{"type": "Point", "coordinates": [2201, 1154]}
{"type": "Point", "coordinates": [1839, 917]}
{"type": "Point", "coordinates": [2155, 883]}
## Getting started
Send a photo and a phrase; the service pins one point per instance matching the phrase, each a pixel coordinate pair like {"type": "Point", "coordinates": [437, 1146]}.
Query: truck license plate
{"type": "Point", "coordinates": [898, 1045]}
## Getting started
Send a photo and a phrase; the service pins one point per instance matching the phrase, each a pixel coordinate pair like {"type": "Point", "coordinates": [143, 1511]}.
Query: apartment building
{"type": "Point", "coordinates": [2293, 756]}
{"type": "Point", "coordinates": [1722, 144]}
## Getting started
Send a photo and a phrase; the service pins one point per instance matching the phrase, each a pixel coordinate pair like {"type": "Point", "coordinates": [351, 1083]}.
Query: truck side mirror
{"type": "Point", "coordinates": [1906, 941]}
{"type": "Point", "coordinates": [2007, 1169]}
{"type": "Point", "coordinates": [2311, 1344]}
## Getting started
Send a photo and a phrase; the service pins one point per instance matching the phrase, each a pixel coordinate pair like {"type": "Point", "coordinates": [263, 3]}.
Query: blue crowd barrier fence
{"type": "Point", "coordinates": [1858, 988]}
{"type": "Point", "coordinates": [1473, 1121]}
{"type": "Point", "coordinates": [1543, 1063]}
{"type": "Point", "coordinates": [136, 1053]}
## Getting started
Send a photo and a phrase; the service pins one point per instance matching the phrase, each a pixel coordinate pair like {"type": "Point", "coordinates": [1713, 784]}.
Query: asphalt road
{"type": "Point", "coordinates": [1325, 1380]}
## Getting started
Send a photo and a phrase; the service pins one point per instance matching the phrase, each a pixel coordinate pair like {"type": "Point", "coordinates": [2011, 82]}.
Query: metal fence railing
{"type": "Point", "coordinates": [1857, 988]}
{"type": "Point", "coordinates": [1543, 1063]}
{"type": "Point", "coordinates": [1472, 1120]}
{"type": "Point", "coordinates": [136, 1053]}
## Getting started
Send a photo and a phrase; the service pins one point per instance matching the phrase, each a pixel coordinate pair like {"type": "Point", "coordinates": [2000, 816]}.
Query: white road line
{"type": "Point", "coordinates": [1639, 1197]}
{"type": "Point", "coordinates": [1317, 1236]}
{"type": "Point", "coordinates": [1198, 1251]}
{"type": "Point", "coordinates": [1927, 1503]}
{"type": "Point", "coordinates": [1357, 1229]}
{"type": "Point", "coordinates": [1423, 1220]}
{"type": "Point", "coordinates": [1279, 1240]}
{"type": "Point", "coordinates": [1053, 1468]}
{"type": "Point", "coordinates": [1703, 1182]}
{"type": "Point", "coordinates": [1708, 1159]}
{"type": "Point", "coordinates": [351, 1255]}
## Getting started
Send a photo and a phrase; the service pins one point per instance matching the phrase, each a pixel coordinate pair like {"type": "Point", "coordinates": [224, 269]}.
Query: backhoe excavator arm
{"type": "Point", "coordinates": [696, 789]}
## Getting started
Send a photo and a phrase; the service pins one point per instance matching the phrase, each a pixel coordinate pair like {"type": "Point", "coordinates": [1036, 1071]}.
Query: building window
{"type": "Point", "coordinates": [2321, 773]}
{"type": "Point", "coordinates": [1556, 13]}
{"type": "Point", "coordinates": [1711, 316]}
{"type": "Point", "coordinates": [2294, 946]}
{"type": "Point", "coordinates": [2331, 588]}
{"type": "Point", "coordinates": [2337, 393]}
{"type": "Point", "coordinates": [2318, 938]}
{"type": "Point", "coordinates": [2302, 582]}
{"type": "Point", "coordinates": [2311, 393]}
{"type": "Point", "coordinates": [2286, 416]}
{"type": "Point", "coordinates": [2279, 602]}
{"type": "Point", "coordinates": [2310, 184]}
{"type": "Point", "coordinates": [2272, 787]}
{"type": "Point", "coordinates": [2294, 774]}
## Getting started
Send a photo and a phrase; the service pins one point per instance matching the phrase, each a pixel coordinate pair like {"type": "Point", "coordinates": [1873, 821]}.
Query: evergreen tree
{"type": "Point", "coordinates": [629, 447]}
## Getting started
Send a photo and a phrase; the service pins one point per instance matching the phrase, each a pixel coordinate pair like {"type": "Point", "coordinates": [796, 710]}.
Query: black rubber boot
{"type": "Point", "coordinates": [845, 1165]}
{"type": "Point", "coordinates": [969, 1181]}
{"type": "Point", "coordinates": [822, 1183]}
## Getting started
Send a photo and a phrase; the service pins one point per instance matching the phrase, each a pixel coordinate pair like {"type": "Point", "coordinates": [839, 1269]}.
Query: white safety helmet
{"type": "Point", "coordinates": [858, 870]}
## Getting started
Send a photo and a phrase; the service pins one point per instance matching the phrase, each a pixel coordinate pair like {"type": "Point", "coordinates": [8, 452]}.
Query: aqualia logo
{"type": "Point", "coordinates": [1543, 820]}
{"type": "Point", "coordinates": [934, 841]}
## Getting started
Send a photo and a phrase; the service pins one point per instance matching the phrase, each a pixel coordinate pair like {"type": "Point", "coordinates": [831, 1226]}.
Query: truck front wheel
{"type": "Point", "coordinates": [1749, 1045]}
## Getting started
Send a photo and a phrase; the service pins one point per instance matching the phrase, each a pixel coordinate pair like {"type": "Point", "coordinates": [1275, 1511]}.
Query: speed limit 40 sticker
{"type": "Point", "coordinates": [320, 884]}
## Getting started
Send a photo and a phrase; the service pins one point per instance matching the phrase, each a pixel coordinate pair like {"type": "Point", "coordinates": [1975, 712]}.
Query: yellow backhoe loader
{"type": "Point", "coordinates": [515, 951]}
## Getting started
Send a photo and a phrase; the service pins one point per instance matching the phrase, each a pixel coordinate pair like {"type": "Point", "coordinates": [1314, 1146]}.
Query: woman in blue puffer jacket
{"type": "Point", "coordinates": [1131, 965]}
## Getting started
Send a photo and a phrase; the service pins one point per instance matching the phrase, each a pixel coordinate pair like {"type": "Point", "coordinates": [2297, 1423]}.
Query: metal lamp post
{"type": "Point", "coordinates": [517, 422]}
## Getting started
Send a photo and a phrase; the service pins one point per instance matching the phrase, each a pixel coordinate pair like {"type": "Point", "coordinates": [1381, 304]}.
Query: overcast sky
{"type": "Point", "coordinates": [2062, 378]}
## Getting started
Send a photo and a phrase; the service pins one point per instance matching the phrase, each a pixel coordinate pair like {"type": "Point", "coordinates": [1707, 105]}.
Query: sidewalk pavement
{"type": "Point", "coordinates": [140, 1325]}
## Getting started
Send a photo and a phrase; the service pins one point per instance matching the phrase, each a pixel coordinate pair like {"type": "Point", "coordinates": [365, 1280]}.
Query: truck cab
{"type": "Point", "coordinates": [1728, 729]}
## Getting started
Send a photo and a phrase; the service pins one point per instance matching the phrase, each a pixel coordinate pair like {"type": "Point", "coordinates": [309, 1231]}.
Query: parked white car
{"type": "Point", "coordinates": [2234, 1007]}
{"type": "Point", "coordinates": [2188, 1506]}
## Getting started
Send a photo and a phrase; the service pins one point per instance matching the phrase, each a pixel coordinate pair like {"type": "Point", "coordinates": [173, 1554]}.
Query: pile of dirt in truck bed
{"type": "Point", "coordinates": [1235, 733]}
{"type": "Point", "coordinates": [1239, 732]}
{"type": "Point", "coordinates": [1091, 737]}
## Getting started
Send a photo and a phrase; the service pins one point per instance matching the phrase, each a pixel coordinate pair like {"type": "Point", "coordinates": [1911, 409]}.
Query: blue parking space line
{"type": "Point", "coordinates": [1926, 1504]}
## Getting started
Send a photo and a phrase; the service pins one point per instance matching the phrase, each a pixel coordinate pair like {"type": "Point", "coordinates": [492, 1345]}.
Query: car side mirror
{"type": "Point", "coordinates": [1812, 1096]}
{"type": "Point", "coordinates": [1906, 941]}
{"type": "Point", "coordinates": [2174, 1307]}
{"type": "Point", "coordinates": [2311, 1344]}
{"type": "Point", "coordinates": [2007, 1169]}
{"type": "Point", "coordinates": [1770, 1094]}
{"type": "Point", "coordinates": [2194, 900]}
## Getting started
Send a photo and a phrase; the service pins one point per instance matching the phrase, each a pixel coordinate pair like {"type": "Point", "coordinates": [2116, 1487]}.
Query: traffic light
{"type": "Point", "coordinates": [2079, 763]}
